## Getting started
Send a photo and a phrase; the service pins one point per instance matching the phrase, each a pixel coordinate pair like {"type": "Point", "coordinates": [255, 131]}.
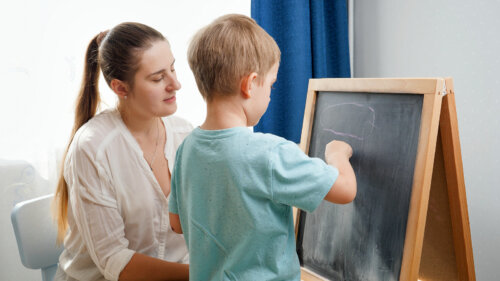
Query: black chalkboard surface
{"type": "Point", "coordinates": [409, 219]}
{"type": "Point", "coordinates": [364, 240]}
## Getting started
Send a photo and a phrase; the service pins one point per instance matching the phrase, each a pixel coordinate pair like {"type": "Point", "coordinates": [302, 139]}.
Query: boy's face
{"type": "Point", "coordinates": [261, 96]}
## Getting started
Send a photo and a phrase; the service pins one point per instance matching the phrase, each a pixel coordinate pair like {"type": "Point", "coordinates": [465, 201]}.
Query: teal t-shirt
{"type": "Point", "coordinates": [234, 191]}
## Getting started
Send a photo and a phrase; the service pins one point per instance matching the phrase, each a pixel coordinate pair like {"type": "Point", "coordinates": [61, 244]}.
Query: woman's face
{"type": "Point", "coordinates": [155, 82]}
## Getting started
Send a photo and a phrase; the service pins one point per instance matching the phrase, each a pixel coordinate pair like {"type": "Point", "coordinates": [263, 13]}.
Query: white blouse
{"type": "Point", "coordinates": [116, 206]}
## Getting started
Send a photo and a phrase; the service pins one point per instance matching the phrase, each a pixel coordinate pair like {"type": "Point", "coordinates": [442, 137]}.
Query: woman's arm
{"type": "Point", "coordinates": [142, 267]}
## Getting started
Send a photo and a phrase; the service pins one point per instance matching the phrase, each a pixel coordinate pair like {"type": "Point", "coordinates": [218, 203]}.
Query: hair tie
{"type": "Point", "coordinates": [101, 36]}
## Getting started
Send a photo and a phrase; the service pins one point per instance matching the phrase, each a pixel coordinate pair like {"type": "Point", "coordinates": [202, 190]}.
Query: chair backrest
{"type": "Point", "coordinates": [36, 235]}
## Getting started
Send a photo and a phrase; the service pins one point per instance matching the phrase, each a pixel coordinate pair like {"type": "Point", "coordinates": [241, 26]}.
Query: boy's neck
{"type": "Point", "coordinates": [224, 113]}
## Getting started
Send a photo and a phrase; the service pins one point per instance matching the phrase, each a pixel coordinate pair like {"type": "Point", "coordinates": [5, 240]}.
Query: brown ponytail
{"type": "Point", "coordinates": [117, 52]}
{"type": "Point", "coordinates": [87, 103]}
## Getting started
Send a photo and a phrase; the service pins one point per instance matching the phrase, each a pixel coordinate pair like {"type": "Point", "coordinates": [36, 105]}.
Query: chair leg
{"type": "Point", "coordinates": [49, 272]}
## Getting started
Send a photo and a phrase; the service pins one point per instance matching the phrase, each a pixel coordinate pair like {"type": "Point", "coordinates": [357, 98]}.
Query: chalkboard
{"type": "Point", "coordinates": [364, 240]}
{"type": "Point", "coordinates": [409, 220]}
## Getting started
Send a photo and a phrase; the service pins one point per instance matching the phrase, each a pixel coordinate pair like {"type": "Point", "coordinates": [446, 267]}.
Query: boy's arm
{"type": "Point", "coordinates": [175, 223]}
{"type": "Point", "coordinates": [344, 189]}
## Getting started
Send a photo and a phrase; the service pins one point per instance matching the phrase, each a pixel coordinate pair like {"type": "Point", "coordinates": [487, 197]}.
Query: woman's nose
{"type": "Point", "coordinates": [174, 85]}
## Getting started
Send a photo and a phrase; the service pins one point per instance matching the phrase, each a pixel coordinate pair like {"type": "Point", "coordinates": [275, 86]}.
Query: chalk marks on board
{"type": "Point", "coordinates": [359, 133]}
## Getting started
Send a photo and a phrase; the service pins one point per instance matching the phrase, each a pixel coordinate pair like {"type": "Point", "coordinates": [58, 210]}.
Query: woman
{"type": "Point", "coordinates": [112, 198]}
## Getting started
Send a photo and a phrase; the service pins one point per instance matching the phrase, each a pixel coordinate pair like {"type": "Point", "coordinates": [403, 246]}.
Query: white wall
{"type": "Point", "coordinates": [456, 38]}
{"type": "Point", "coordinates": [41, 55]}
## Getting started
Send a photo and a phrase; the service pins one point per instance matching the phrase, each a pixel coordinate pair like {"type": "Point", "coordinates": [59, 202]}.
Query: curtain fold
{"type": "Point", "coordinates": [313, 39]}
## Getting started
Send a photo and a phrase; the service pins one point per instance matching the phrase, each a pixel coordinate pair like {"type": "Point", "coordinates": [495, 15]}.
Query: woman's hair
{"type": "Point", "coordinates": [228, 49]}
{"type": "Point", "coordinates": [117, 53]}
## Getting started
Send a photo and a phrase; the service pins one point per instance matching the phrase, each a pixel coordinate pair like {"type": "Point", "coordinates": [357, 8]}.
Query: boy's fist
{"type": "Point", "coordinates": [336, 148]}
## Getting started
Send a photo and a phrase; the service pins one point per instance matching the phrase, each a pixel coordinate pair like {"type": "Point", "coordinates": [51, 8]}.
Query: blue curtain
{"type": "Point", "coordinates": [313, 39]}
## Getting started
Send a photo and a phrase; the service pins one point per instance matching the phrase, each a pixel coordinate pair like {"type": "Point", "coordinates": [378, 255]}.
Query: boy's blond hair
{"type": "Point", "coordinates": [228, 49]}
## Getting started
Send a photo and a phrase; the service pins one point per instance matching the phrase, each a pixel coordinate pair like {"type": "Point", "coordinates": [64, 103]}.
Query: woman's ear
{"type": "Point", "coordinates": [120, 88]}
{"type": "Point", "coordinates": [247, 84]}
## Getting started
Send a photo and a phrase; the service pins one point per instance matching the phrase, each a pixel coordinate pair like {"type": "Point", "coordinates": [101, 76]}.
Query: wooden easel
{"type": "Point", "coordinates": [438, 243]}
{"type": "Point", "coordinates": [447, 230]}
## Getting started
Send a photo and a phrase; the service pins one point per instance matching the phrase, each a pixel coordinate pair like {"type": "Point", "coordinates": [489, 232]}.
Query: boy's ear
{"type": "Point", "coordinates": [247, 84]}
{"type": "Point", "coordinates": [120, 88]}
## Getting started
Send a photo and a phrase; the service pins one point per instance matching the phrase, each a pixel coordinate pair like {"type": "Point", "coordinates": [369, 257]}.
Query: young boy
{"type": "Point", "coordinates": [232, 189]}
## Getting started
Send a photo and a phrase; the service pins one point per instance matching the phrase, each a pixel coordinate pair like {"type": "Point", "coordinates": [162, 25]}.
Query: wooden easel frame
{"type": "Point", "coordinates": [434, 107]}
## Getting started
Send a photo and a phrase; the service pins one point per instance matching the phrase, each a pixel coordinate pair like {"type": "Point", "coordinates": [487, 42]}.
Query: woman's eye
{"type": "Point", "coordinates": [158, 79]}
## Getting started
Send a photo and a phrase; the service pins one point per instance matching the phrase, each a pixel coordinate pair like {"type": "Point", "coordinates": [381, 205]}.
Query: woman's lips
{"type": "Point", "coordinates": [170, 100]}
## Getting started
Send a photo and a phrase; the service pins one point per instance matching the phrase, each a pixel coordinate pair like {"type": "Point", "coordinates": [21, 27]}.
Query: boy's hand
{"type": "Point", "coordinates": [343, 191]}
{"type": "Point", "coordinates": [335, 149]}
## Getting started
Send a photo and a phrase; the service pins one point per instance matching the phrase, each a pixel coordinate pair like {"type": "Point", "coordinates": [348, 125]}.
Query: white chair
{"type": "Point", "coordinates": [36, 235]}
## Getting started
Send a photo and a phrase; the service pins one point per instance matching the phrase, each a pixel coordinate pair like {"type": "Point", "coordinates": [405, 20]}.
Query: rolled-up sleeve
{"type": "Point", "coordinates": [96, 214]}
